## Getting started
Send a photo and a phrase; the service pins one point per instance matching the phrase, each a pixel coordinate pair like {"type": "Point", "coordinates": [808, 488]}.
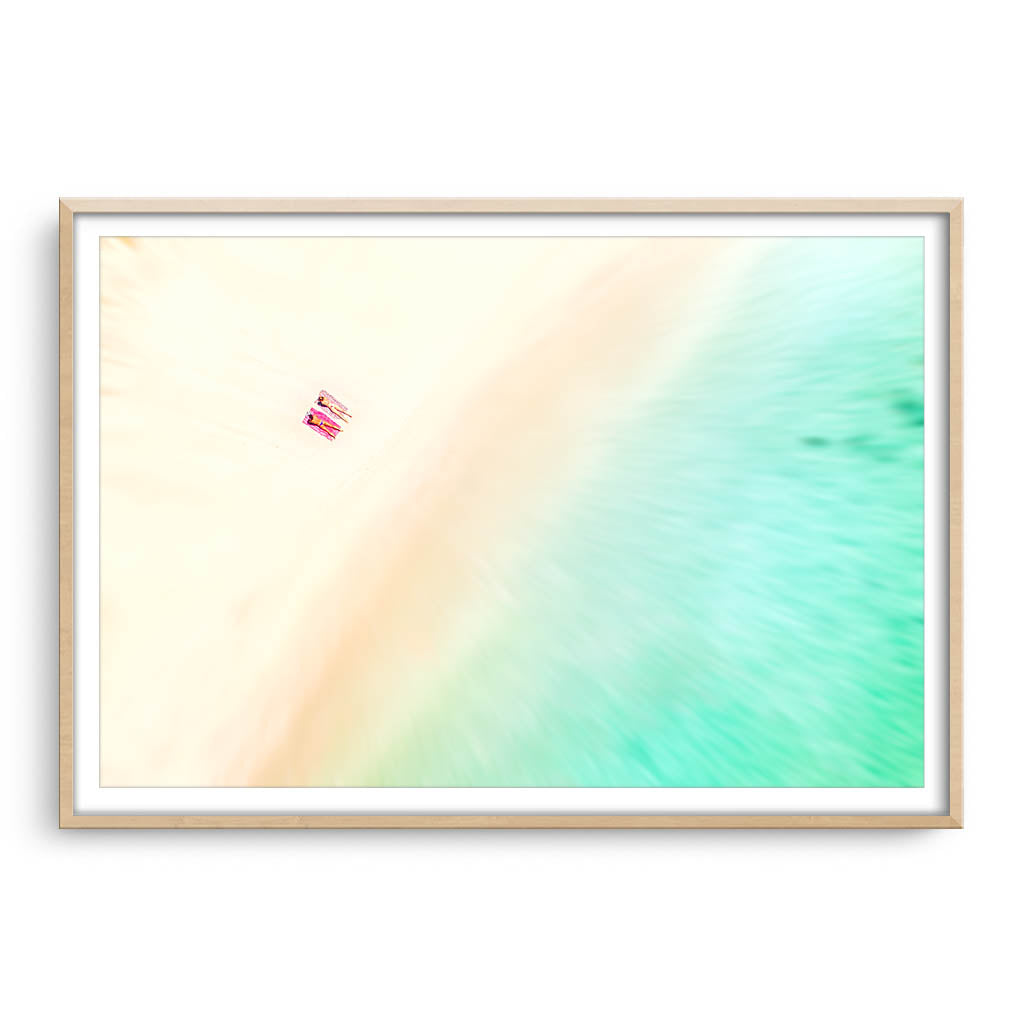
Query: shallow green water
{"type": "Point", "coordinates": [733, 595]}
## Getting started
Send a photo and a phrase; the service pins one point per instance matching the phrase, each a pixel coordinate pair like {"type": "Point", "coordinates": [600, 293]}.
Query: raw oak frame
{"type": "Point", "coordinates": [951, 207]}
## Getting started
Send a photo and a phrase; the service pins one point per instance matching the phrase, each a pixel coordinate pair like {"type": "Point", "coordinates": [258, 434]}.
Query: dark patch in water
{"type": "Point", "coordinates": [912, 408]}
{"type": "Point", "coordinates": [815, 442]}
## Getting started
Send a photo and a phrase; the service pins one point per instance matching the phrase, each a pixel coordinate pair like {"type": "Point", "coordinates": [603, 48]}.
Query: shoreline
{"type": "Point", "coordinates": [311, 556]}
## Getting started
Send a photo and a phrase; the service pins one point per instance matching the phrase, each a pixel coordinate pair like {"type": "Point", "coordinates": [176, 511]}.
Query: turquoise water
{"type": "Point", "coordinates": [733, 594]}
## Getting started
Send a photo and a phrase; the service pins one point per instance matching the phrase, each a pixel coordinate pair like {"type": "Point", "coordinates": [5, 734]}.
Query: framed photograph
{"type": "Point", "coordinates": [510, 513]}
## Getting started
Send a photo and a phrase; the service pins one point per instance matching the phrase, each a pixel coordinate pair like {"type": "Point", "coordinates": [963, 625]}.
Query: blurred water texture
{"type": "Point", "coordinates": [735, 596]}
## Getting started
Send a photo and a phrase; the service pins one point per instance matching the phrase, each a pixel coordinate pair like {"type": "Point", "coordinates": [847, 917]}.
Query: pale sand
{"type": "Point", "coordinates": [269, 597]}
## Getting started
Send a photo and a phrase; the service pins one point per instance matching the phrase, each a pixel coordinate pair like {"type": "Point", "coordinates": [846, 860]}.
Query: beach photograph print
{"type": "Point", "coordinates": [511, 512]}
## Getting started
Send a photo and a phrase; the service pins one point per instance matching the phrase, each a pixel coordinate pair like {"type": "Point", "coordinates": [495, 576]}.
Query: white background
{"type": "Point", "coordinates": [531, 99]}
